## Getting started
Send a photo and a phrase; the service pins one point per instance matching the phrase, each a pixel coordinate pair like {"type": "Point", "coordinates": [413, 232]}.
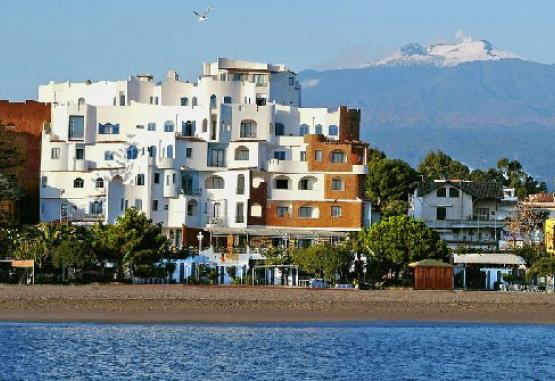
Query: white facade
{"type": "Point", "coordinates": [463, 212]}
{"type": "Point", "coordinates": [184, 153]}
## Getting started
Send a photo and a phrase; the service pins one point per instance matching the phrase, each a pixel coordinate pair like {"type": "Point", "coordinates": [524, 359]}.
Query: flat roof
{"type": "Point", "coordinates": [489, 259]}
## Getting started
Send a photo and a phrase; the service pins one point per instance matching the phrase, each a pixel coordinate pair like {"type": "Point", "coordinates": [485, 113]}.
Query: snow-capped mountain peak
{"type": "Point", "coordinates": [444, 54]}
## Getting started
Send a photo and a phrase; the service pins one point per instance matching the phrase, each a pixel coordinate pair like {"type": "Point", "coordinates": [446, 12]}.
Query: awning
{"type": "Point", "coordinates": [488, 259]}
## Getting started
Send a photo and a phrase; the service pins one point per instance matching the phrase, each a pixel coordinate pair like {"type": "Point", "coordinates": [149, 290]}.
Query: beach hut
{"type": "Point", "coordinates": [432, 274]}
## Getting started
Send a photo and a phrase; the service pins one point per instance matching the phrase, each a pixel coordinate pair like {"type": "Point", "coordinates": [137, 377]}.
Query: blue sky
{"type": "Point", "coordinates": [111, 39]}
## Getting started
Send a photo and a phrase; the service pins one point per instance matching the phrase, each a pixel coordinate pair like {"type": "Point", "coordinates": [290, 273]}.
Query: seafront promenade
{"type": "Point", "coordinates": [181, 304]}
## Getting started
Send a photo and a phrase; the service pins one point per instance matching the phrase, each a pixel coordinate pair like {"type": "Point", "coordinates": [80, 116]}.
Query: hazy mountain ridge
{"type": "Point", "coordinates": [509, 100]}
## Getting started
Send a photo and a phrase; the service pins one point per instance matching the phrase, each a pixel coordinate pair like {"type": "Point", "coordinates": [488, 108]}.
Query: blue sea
{"type": "Point", "coordinates": [300, 351]}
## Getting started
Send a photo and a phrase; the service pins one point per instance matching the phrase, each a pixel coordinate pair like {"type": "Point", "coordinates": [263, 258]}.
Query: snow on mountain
{"type": "Point", "coordinates": [445, 55]}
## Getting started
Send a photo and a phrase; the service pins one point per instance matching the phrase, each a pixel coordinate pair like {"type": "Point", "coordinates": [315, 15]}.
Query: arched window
{"type": "Point", "coordinates": [81, 101]}
{"type": "Point", "coordinates": [168, 126]}
{"type": "Point", "coordinates": [248, 129]}
{"type": "Point", "coordinates": [214, 182]}
{"type": "Point", "coordinates": [194, 101]}
{"type": "Point", "coordinates": [333, 130]}
{"type": "Point", "coordinates": [187, 128]}
{"type": "Point", "coordinates": [96, 207]}
{"type": "Point", "coordinates": [169, 151]}
{"type": "Point", "coordinates": [227, 100]}
{"type": "Point", "coordinates": [205, 125]}
{"type": "Point", "coordinates": [192, 208]}
{"type": "Point", "coordinates": [99, 183]}
{"type": "Point", "coordinates": [132, 152]}
{"type": "Point", "coordinates": [213, 101]}
{"type": "Point", "coordinates": [279, 129]}
{"type": "Point", "coordinates": [184, 101]}
{"type": "Point", "coordinates": [338, 156]}
{"type": "Point", "coordinates": [303, 129]}
{"type": "Point", "coordinates": [282, 182]}
{"type": "Point", "coordinates": [152, 151]}
{"type": "Point", "coordinates": [241, 153]}
{"type": "Point", "coordinates": [318, 129]}
{"type": "Point", "coordinates": [78, 183]}
{"type": "Point", "coordinates": [241, 184]}
{"type": "Point", "coordinates": [307, 183]}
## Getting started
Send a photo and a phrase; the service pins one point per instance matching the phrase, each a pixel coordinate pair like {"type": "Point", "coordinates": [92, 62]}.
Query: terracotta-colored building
{"type": "Point", "coordinates": [21, 125]}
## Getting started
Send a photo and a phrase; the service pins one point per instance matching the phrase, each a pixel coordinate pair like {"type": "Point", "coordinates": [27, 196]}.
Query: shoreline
{"type": "Point", "coordinates": [159, 304]}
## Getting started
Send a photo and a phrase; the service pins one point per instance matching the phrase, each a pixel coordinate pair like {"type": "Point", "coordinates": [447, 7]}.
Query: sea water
{"type": "Point", "coordinates": [301, 351]}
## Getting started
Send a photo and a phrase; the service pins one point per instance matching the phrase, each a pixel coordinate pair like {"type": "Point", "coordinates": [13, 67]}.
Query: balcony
{"type": "Point", "coordinates": [464, 223]}
{"type": "Point", "coordinates": [191, 191]}
{"type": "Point", "coordinates": [164, 162]}
{"type": "Point", "coordinates": [360, 169]}
{"type": "Point", "coordinates": [216, 221]}
{"type": "Point", "coordinates": [216, 163]}
{"type": "Point", "coordinates": [287, 166]}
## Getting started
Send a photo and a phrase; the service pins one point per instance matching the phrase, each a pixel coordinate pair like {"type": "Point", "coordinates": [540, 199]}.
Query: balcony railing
{"type": "Point", "coordinates": [217, 163]}
{"type": "Point", "coordinates": [191, 191]}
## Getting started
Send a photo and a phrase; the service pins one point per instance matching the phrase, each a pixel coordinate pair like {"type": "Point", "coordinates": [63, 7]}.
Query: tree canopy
{"type": "Point", "coordinates": [438, 165]}
{"type": "Point", "coordinates": [325, 261]}
{"type": "Point", "coordinates": [394, 243]}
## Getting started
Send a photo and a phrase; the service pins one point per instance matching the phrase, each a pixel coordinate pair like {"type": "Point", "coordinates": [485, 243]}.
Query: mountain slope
{"type": "Point", "coordinates": [477, 110]}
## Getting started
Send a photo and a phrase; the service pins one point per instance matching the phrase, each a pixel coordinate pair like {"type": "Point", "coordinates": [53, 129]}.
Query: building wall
{"type": "Point", "coordinates": [187, 200]}
{"type": "Point", "coordinates": [28, 118]}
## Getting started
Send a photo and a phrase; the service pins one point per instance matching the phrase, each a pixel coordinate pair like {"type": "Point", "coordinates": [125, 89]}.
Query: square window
{"type": "Point", "coordinates": [453, 192]}
{"type": "Point", "coordinates": [337, 185]}
{"type": "Point", "coordinates": [318, 155]}
{"type": "Point", "coordinates": [282, 211]}
{"type": "Point", "coordinates": [282, 184]}
{"type": "Point", "coordinates": [442, 192]}
{"type": "Point", "coordinates": [79, 153]}
{"type": "Point", "coordinates": [305, 212]}
{"type": "Point", "coordinates": [336, 211]}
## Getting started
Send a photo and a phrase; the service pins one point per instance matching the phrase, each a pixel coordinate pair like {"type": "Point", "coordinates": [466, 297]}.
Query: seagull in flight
{"type": "Point", "coordinates": [204, 15]}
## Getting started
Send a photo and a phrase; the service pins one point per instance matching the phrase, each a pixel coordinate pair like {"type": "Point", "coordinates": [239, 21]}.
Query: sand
{"type": "Point", "coordinates": [190, 304]}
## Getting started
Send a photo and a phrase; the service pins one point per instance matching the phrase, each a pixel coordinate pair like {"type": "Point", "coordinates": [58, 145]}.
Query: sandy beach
{"type": "Point", "coordinates": [180, 304]}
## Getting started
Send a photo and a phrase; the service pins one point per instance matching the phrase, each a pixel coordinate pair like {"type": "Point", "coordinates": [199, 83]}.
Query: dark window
{"type": "Point", "coordinates": [188, 153]}
{"type": "Point", "coordinates": [227, 100]}
{"type": "Point", "coordinates": [280, 155]}
{"type": "Point", "coordinates": [154, 205]}
{"type": "Point", "coordinates": [442, 192]}
{"type": "Point", "coordinates": [184, 101]}
{"type": "Point", "coordinates": [187, 128]}
{"type": "Point", "coordinates": [156, 178]}
{"type": "Point", "coordinates": [336, 211]}
{"type": "Point", "coordinates": [282, 184]}
{"type": "Point", "coordinates": [338, 156]}
{"type": "Point", "coordinates": [333, 130]}
{"type": "Point", "coordinates": [280, 129]}
{"type": "Point", "coordinates": [78, 183]}
{"type": "Point", "coordinates": [441, 213]}
{"type": "Point", "coordinates": [453, 192]}
{"type": "Point", "coordinates": [241, 184]}
{"type": "Point", "coordinates": [79, 153]}
{"type": "Point", "coordinates": [140, 179]}
{"type": "Point", "coordinates": [100, 183]}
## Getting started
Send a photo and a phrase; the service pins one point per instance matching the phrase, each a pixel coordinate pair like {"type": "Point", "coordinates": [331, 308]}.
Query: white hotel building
{"type": "Point", "coordinates": [233, 155]}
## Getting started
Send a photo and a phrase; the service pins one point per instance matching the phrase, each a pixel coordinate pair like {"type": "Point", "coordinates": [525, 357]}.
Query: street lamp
{"type": "Point", "coordinates": [200, 236]}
